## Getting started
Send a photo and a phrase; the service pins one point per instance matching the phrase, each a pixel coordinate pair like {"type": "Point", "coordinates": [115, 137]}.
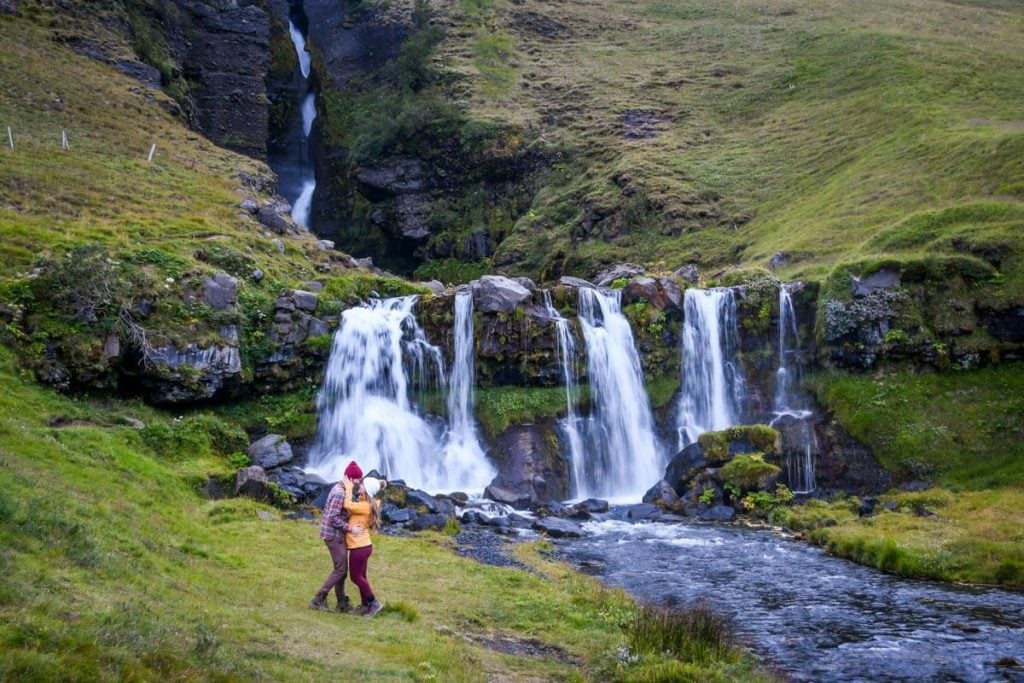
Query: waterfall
{"type": "Point", "coordinates": [570, 426]}
{"type": "Point", "coordinates": [713, 384]}
{"type": "Point", "coordinates": [364, 409]}
{"type": "Point", "coordinates": [466, 465]}
{"type": "Point", "coordinates": [789, 402]}
{"type": "Point", "coordinates": [624, 458]}
{"type": "Point", "coordinates": [299, 190]}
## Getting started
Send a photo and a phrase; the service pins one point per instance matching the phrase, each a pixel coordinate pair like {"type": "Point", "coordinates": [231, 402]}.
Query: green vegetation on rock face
{"type": "Point", "coordinates": [959, 428]}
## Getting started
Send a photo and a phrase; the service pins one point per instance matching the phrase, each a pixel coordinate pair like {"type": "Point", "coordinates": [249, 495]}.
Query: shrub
{"type": "Point", "coordinates": [404, 610]}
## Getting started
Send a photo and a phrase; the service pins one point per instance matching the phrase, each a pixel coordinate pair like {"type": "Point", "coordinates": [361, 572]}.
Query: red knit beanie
{"type": "Point", "coordinates": [353, 471]}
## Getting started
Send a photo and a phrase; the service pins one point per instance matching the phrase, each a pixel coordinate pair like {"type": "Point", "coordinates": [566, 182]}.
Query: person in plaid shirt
{"type": "Point", "coordinates": [333, 526]}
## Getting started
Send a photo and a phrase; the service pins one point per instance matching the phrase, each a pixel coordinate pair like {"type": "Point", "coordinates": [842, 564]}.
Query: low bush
{"type": "Point", "coordinates": [748, 472]}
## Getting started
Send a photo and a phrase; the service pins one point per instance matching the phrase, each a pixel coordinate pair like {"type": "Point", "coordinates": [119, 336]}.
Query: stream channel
{"type": "Point", "coordinates": [812, 616]}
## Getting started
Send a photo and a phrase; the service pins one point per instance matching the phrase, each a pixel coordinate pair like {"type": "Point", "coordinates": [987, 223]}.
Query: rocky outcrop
{"type": "Point", "coordinates": [531, 470]}
{"type": "Point", "coordinates": [622, 271]}
{"type": "Point", "coordinates": [192, 374]}
{"type": "Point", "coordinates": [226, 54]}
{"type": "Point", "coordinates": [497, 294]}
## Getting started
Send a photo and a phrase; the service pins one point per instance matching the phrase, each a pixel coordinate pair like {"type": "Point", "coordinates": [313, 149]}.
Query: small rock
{"type": "Point", "coordinates": [689, 273]}
{"type": "Point", "coordinates": [134, 423]}
{"type": "Point", "coordinates": [883, 279]}
{"type": "Point", "coordinates": [661, 494]}
{"type": "Point", "coordinates": [8, 7]}
{"type": "Point", "coordinates": [270, 218]}
{"type": "Point", "coordinates": [220, 292]}
{"type": "Point", "coordinates": [270, 451]}
{"type": "Point", "coordinates": [257, 275]}
{"type": "Point", "coordinates": [249, 204]}
{"type": "Point", "coordinates": [398, 515]}
{"type": "Point", "coordinates": [643, 511]}
{"type": "Point", "coordinates": [623, 270]}
{"type": "Point", "coordinates": [424, 522]}
{"type": "Point", "coordinates": [498, 294]}
{"type": "Point", "coordinates": [593, 505]}
{"type": "Point", "coordinates": [279, 245]}
{"type": "Point", "coordinates": [778, 259]}
{"type": "Point", "coordinates": [569, 281]}
{"type": "Point", "coordinates": [719, 513]}
{"type": "Point", "coordinates": [415, 498]}
{"type": "Point", "coordinates": [1008, 661]}
{"type": "Point", "coordinates": [266, 515]}
{"type": "Point", "coordinates": [305, 301]}
{"type": "Point", "coordinates": [434, 286]}
{"type": "Point", "coordinates": [558, 528]}
{"type": "Point", "coordinates": [325, 245]}
{"type": "Point", "coordinates": [252, 482]}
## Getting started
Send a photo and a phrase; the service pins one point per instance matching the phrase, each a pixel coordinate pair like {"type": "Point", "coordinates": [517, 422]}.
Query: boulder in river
{"type": "Point", "coordinates": [558, 528]}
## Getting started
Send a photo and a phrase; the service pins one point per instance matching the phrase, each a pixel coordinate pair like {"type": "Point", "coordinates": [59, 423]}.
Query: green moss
{"type": "Point", "coordinates": [498, 408]}
{"type": "Point", "coordinates": [716, 445]}
{"type": "Point", "coordinates": [748, 472]}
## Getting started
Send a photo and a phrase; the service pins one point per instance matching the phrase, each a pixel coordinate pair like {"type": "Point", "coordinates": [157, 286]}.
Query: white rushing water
{"type": "Point", "coordinates": [302, 203]}
{"type": "Point", "coordinates": [364, 409]}
{"type": "Point", "coordinates": [713, 384]}
{"type": "Point", "coordinates": [379, 357]}
{"type": "Point", "coordinates": [624, 458]}
{"type": "Point", "coordinates": [299, 41]}
{"type": "Point", "coordinates": [789, 401]}
{"type": "Point", "coordinates": [571, 425]}
{"type": "Point", "coordinates": [466, 466]}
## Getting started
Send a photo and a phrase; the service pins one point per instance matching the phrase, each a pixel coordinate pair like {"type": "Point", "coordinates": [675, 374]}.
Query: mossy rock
{"type": "Point", "coordinates": [749, 472]}
{"type": "Point", "coordinates": [719, 445]}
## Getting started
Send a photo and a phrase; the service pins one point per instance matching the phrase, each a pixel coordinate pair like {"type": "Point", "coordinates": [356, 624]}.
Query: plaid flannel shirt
{"type": "Point", "coordinates": [334, 522]}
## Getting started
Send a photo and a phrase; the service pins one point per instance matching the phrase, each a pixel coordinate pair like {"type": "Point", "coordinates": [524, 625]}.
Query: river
{"type": "Point", "coordinates": [815, 617]}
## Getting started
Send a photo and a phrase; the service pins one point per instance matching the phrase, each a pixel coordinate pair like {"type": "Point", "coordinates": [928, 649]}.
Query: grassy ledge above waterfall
{"type": "Point", "coordinates": [114, 568]}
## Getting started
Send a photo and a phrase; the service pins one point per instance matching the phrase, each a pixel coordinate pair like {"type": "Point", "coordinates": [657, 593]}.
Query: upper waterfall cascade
{"type": "Point", "coordinates": [302, 202]}
{"type": "Point", "coordinates": [713, 384]}
{"type": "Point", "coordinates": [624, 457]}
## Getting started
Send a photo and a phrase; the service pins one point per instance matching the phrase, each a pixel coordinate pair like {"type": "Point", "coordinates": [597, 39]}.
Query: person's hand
{"type": "Point", "coordinates": [357, 530]}
{"type": "Point", "coordinates": [346, 481]}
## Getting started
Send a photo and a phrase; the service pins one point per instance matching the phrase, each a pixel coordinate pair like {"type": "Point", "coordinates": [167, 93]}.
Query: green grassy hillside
{"type": "Point", "coordinates": [723, 132]}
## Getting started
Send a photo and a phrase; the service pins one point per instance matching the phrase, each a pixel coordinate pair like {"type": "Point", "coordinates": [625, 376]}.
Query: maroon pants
{"type": "Point", "coordinates": [358, 558]}
{"type": "Point", "coordinates": [336, 579]}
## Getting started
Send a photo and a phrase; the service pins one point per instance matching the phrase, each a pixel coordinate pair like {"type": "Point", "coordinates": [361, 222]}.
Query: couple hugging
{"type": "Point", "coordinates": [345, 528]}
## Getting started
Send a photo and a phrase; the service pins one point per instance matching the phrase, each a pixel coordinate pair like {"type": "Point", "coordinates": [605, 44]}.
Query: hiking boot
{"type": "Point", "coordinates": [319, 602]}
{"type": "Point", "coordinates": [343, 606]}
{"type": "Point", "coordinates": [361, 610]}
{"type": "Point", "coordinates": [373, 608]}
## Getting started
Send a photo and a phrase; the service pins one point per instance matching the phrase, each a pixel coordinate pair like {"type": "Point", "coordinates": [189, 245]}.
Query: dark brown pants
{"type": "Point", "coordinates": [336, 579]}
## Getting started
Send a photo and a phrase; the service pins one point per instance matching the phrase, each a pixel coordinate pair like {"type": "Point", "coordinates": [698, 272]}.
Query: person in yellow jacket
{"type": "Point", "coordinates": [363, 516]}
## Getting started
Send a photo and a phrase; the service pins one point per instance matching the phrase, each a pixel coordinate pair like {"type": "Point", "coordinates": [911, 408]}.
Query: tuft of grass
{"type": "Point", "coordinates": [695, 634]}
{"type": "Point", "coordinates": [402, 609]}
